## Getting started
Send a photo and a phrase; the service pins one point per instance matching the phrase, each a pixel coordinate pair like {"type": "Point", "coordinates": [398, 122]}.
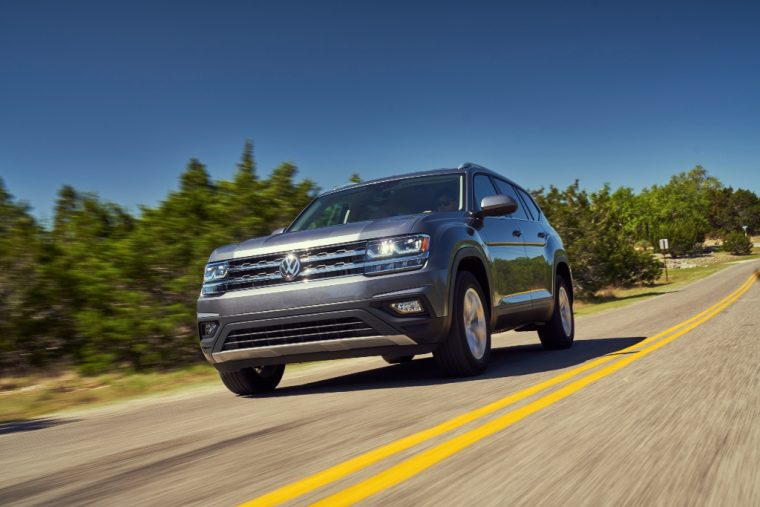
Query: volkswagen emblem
{"type": "Point", "coordinates": [290, 266]}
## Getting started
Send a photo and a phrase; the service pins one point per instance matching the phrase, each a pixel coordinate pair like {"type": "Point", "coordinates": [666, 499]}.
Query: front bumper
{"type": "Point", "coordinates": [358, 299]}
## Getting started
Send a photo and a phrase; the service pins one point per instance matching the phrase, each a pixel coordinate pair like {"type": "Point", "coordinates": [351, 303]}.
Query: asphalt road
{"type": "Point", "coordinates": [674, 424]}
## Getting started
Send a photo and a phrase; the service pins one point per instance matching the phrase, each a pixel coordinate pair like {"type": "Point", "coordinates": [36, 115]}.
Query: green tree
{"type": "Point", "coordinates": [104, 289]}
{"type": "Point", "coordinates": [593, 228]}
{"type": "Point", "coordinates": [241, 199]}
{"type": "Point", "coordinates": [25, 315]}
{"type": "Point", "coordinates": [83, 280]}
{"type": "Point", "coordinates": [679, 211]}
{"type": "Point", "coordinates": [285, 198]}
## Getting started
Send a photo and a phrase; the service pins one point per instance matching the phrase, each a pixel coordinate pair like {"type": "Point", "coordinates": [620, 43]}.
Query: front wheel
{"type": "Point", "coordinates": [257, 380]}
{"type": "Point", "coordinates": [467, 349]}
{"type": "Point", "coordinates": [559, 332]}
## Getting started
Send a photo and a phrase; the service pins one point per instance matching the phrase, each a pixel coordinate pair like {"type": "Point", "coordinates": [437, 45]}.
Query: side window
{"type": "Point", "coordinates": [507, 189]}
{"type": "Point", "coordinates": [530, 203]}
{"type": "Point", "coordinates": [482, 187]}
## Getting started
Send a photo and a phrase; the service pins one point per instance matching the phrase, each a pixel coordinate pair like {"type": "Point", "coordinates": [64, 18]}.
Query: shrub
{"type": "Point", "coordinates": [737, 243]}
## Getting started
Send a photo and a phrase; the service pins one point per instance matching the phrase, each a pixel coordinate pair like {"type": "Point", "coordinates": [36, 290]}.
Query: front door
{"type": "Point", "coordinates": [510, 266]}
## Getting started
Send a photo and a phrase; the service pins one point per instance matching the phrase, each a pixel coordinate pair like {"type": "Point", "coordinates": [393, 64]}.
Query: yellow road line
{"type": "Point", "coordinates": [341, 470]}
{"type": "Point", "coordinates": [425, 459]}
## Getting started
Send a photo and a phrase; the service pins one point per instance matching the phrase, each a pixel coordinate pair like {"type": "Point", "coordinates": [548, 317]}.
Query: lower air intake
{"type": "Point", "coordinates": [301, 332]}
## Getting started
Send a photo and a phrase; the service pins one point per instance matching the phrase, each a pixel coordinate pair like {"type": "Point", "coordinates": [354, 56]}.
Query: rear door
{"type": "Point", "coordinates": [536, 235]}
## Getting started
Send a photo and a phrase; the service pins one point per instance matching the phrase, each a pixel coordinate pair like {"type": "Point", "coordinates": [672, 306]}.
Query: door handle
{"type": "Point", "coordinates": [542, 235]}
{"type": "Point", "coordinates": [516, 233]}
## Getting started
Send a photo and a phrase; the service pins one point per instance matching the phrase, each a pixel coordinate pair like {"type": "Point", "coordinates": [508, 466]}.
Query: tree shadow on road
{"type": "Point", "coordinates": [511, 361]}
{"type": "Point", "coordinates": [30, 425]}
{"type": "Point", "coordinates": [643, 295]}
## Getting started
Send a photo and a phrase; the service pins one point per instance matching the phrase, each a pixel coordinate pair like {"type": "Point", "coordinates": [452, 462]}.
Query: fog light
{"type": "Point", "coordinates": [208, 328]}
{"type": "Point", "coordinates": [407, 307]}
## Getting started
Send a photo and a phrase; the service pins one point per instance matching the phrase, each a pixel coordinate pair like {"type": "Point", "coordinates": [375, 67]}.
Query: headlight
{"type": "Point", "coordinates": [215, 271]}
{"type": "Point", "coordinates": [397, 254]}
{"type": "Point", "coordinates": [397, 247]}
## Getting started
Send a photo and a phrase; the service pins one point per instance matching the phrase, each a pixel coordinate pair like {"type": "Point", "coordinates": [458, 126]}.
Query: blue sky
{"type": "Point", "coordinates": [115, 97]}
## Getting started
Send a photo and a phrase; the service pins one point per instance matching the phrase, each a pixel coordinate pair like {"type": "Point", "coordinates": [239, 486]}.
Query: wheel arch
{"type": "Point", "coordinates": [562, 268]}
{"type": "Point", "coordinates": [474, 261]}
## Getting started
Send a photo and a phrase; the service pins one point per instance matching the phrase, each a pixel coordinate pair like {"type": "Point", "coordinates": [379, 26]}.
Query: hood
{"type": "Point", "coordinates": [346, 233]}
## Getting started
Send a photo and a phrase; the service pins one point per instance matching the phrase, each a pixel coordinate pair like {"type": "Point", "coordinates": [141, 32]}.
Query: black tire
{"type": "Point", "coordinates": [253, 380]}
{"type": "Point", "coordinates": [454, 356]}
{"type": "Point", "coordinates": [553, 334]}
{"type": "Point", "coordinates": [398, 359]}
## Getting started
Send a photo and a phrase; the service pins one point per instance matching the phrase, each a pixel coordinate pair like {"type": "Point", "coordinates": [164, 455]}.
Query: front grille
{"type": "Point", "coordinates": [301, 332]}
{"type": "Point", "coordinates": [316, 263]}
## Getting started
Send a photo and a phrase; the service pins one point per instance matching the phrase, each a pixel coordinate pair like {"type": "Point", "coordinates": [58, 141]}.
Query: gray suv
{"type": "Point", "coordinates": [425, 262]}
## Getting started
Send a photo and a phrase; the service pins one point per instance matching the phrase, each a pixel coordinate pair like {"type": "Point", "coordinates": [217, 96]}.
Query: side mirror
{"type": "Point", "coordinates": [497, 205]}
{"type": "Point", "coordinates": [278, 231]}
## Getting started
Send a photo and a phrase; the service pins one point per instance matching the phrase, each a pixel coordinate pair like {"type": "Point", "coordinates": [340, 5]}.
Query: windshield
{"type": "Point", "coordinates": [422, 194]}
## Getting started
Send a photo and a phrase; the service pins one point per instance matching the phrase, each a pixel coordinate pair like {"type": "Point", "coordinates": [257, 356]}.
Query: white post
{"type": "Point", "coordinates": [664, 249]}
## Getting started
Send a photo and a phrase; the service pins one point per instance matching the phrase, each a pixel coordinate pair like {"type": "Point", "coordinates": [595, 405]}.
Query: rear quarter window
{"type": "Point", "coordinates": [530, 203]}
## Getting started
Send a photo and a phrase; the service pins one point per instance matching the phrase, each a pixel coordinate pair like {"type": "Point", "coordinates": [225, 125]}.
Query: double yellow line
{"type": "Point", "coordinates": [425, 459]}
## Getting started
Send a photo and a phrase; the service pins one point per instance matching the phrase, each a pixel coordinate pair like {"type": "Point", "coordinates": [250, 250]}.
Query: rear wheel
{"type": "Point", "coordinates": [257, 380]}
{"type": "Point", "coordinates": [467, 349]}
{"type": "Point", "coordinates": [397, 359]}
{"type": "Point", "coordinates": [559, 332]}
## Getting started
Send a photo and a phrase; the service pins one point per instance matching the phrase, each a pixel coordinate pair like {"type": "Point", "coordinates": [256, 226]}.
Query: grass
{"type": "Point", "coordinates": [34, 396]}
{"type": "Point", "coordinates": [23, 398]}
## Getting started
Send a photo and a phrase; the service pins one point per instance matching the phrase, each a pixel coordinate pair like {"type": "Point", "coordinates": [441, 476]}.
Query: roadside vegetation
{"type": "Point", "coordinates": [615, 297]}
{"type": "Point", "coordinates": [34, 395]}
{"type": "Point", "coordinates": [612, 237]}
{"type": "Point", "coordinates": [100, 298]}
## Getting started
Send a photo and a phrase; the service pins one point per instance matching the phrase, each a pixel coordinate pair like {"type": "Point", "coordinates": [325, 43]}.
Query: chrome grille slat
{"type": "Point", "coordinates": [253, 278]}
{"type": "Point", "coordinates": [255, 266]}
{"type": "Point", "coordinates": [330, 269]}
{"type": "Point", "coordinates": [341, 254]}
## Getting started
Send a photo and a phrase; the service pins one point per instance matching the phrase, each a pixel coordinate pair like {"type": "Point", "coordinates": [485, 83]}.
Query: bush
{"type": "Point", "coordinates": [685, 238]}
{"type": "Point", "coordinates": [737, 243]}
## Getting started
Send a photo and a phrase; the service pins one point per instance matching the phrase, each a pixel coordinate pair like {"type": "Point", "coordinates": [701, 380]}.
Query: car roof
{"type": "Point", "coordinates": [467, 167]}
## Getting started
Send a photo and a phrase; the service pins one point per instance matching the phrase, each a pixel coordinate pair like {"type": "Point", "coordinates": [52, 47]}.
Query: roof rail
{"type": "Point", "coordinates": [470, 165]}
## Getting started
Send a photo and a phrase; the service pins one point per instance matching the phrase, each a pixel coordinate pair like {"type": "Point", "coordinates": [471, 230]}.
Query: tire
{"type": "Point", "coordinates": [559, 332]}
{"type": "Point", "coordinates": [467, 349]}
{"type": "Point", "coordinates": [398, 359]}
{"type": "Point", "coordinates": [253, 380]}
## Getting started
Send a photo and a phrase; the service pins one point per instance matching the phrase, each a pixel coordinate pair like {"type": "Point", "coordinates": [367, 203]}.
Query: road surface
{"type": "Point", "coordinates": [670, 420]}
